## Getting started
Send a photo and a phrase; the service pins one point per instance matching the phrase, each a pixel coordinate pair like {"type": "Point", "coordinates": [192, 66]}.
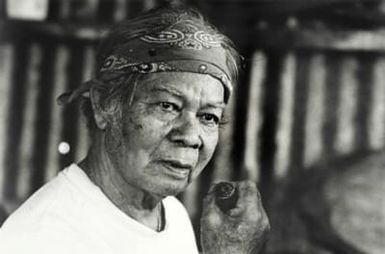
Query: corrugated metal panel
{"type": "Point", "coordinates": [376, 123]}
{"type": "Point", "coordinates": [59, 84]}
{"type": "Point", "coordinates": [6, 70]}
{"type": "Point", "coordinates": [254, 118]}
{"type": "Point", "coordinates": [27, 144]}
{"type": "Point", "coordinates": [285, 116]}
{"type": "Point", "coordinates": [346, 108]}
{"type": "Point", "coordinates": [316, 109]}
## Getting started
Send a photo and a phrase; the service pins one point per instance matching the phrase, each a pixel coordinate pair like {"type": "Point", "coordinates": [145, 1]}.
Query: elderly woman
{"type": "Point", "coordinates": [154, 109]}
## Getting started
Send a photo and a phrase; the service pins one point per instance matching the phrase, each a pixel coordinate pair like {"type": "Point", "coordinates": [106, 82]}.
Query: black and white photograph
{"type": "Point", "coordinates": [192, 126]}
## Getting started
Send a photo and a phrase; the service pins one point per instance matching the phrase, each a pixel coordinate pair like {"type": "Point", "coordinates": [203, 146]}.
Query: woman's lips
{"type": "Point", "coordinates": [177, 169]}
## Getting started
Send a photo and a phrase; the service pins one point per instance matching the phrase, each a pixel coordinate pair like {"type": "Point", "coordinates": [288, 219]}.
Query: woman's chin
{"type": "Point", "coordinates": [172, 189]}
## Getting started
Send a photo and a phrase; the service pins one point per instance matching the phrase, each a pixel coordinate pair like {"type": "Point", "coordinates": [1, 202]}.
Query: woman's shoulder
{"type": "Point", "coordinates": [44, 206]}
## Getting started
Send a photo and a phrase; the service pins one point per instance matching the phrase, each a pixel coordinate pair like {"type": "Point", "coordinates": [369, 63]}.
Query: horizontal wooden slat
{"type": "Point", "coordinates": [310, 38]}
{"type": "Point", "coordinates": [298, 38]}
{"type": "Point", "coordinates": [51, 30]}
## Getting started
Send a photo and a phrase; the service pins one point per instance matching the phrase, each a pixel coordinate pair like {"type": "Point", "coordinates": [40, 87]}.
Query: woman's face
{"type": "Point", "coordinates": [168, 133]}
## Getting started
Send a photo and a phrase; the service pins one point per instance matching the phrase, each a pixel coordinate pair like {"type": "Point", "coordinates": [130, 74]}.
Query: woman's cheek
{"type": "Point", "coordinates": [204, 157]}
{"type": "Point", "coordinates": [211, 142]}
{"type": "Point", "coordinates": [149, 131]}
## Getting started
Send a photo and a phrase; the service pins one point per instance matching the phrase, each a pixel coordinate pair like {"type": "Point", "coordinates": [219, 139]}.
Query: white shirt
{"type": "Point", "coordinates": [70, 214]}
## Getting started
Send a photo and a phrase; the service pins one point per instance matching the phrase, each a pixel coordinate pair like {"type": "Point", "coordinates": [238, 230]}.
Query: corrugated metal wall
{"type": "Point", "coordinates": [294, 107]}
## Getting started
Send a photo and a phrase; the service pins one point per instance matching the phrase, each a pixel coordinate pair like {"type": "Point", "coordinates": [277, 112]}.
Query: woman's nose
{"type": "Point", "coordinates": [186, 131]}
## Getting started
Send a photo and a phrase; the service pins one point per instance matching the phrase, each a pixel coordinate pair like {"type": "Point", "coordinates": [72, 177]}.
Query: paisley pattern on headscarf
{"type": "Point", "coordinates": [187, 37]}
{"type": "Point", "coordinates": [181, 47]}
{"type": "Point", "coordinates": [164, 41]}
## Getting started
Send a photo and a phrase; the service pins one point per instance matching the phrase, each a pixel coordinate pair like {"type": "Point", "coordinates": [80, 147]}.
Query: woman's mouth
{"type": "Point", "coordinates": [177, 169]}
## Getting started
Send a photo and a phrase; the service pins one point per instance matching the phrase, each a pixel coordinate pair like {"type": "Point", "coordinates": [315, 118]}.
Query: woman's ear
{"type": "Point", "coordinates": [100, 115]}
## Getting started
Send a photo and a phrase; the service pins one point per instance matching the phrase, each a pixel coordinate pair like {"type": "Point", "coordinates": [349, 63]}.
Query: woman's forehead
{"type": "Point", "coordinates": [182, 84]}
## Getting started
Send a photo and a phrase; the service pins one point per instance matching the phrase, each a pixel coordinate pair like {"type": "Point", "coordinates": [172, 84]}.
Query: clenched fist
{"type": "Point", "coordinates": [242, 229]}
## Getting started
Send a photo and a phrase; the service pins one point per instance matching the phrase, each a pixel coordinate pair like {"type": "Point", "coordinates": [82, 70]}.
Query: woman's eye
{"type": "Point", "coordinates": [210, 119]}
{"type": "Point", "coordinates": [168, 106]}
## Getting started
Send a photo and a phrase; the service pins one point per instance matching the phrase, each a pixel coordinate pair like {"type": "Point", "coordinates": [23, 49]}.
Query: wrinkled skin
{"type": "Point", "coordinates": [173, 119]}
{"type": "Point", "coordinates": [241, 230]}
{"type": "Point", "coordinates": [158, 142]}
{"type": "Point", "coordinates": [161, 142]}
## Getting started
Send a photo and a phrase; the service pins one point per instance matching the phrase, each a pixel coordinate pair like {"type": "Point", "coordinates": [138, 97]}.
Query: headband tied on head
{"type": "Point", "coordinates": [182, 47]}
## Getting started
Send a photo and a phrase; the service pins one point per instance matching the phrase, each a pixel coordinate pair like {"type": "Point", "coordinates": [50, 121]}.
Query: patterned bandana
{"type": "Point", "coordinates": [182, 47]}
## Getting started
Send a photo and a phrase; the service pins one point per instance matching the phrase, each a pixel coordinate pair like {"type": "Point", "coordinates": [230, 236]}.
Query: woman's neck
{"type": "Point", "coordinates": [140, 205]}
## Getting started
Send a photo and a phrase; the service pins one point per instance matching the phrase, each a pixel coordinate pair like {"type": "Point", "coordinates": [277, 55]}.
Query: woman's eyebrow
{"type": "Point", "coordinates": [177, 93]}
{"type": "Point", "coordinates": [169, 90]}
{"type": "Point", "coordinates": [220, 105]}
